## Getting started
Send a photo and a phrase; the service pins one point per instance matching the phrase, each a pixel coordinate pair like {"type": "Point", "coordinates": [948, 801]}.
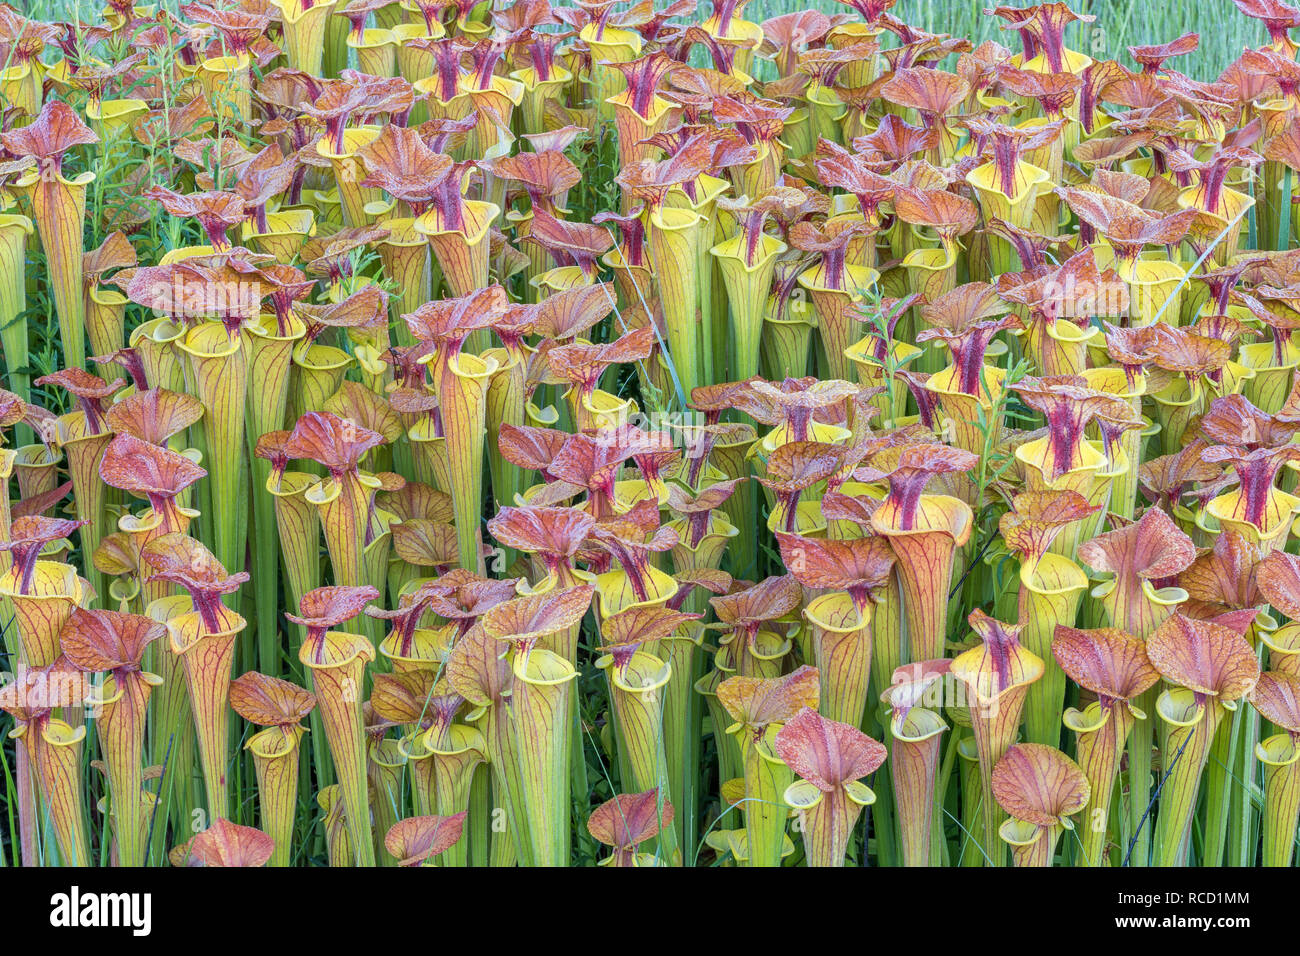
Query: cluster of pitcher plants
{"type": "Point", "coordinates": [440, 432]}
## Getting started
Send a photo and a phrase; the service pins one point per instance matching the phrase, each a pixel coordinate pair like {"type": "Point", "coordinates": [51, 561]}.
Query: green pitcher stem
{"type": "Point", "coordinates": [637, 698]}
{"type": "Point", "coordinates": [1279, 755]}
{"type": "Point", "coordinates": [507, 786]}
{"type": "Point", "coordinates": [747, 288]}
{"type": "Point", "coordinates": [972, 806]}
{"type": "Point", "coordinates": [423, 782]}
{"type": "Point", "coordinates": [1044, 603]}
{"type": "Point", "coordinates": [1141, 740]}
{"type": "Point", "coordinates": [337, 677]}
{"type": "Point", "coordinates": [730, 764]}
{"type": "Point", "coordinates": [297, 526]}
{"type": "Point", "coordinates": [1219, 783]}
{"type": "Point", "coordinates": [121, 730]}
{"type": "Point", "coordinates": [836, 330]}
{"type": "Point", "coordinates": [461, 254]}
{"type": "Point", "coordinates": [924, 569]}
{"type": "Point", "coordinates": [704, 268]}
{"type": "Point", "coordinates": [304, 33]}
{"type": "Point", "coordinates": [56, 756]}
{"type": "Point", "coordinates": [887, 631]}
{"type": "Point", "coordinates": [994, 735]}
{"type": "Point", "coordinates": [28, 831]}
{"type": "Point", "coordinates": [765, 811]}
{"type": "Point", "coordinates": [843, 658]}
{"type": "Point", "coordinates": [479, 820]}
{"type": "Point", "coordinates": [505, 406]}
{"type": "Point", "coordinates": [1243, 824]}
{"type": "Point", "coordinates": [89, 495]}
{"type": "Point", "coordinates": [14, 231]}
{"type": "Point", "coordinates": [275, 758]}
{"type": "Point", "coordinates": [455, 762]}
{"type": "Point", "coordinates": [270, 361]}
{"type": "Point", "coordinates": [675, 240]}
{"type": "Point", "coordinates": [463, 391]}
{"type": "Point", "coordinates": [1184, 755]}
{"type": "Point", "coordinates": [344, 507]}
{"type": "Point", "coordinates": [219, 377]}
{"type": "Point", "coordinates": [265, 567]}
{"type": "Point", "coordinates": [683, 718]}
{"type": "Point", "coordinates": [914, 757]}
{"type": "Point", "coordinates": [386, 770]}
{"type": "Point", "coordinates": [207, 660]}
{"type": "Point", "coordinates": [1097, 751]}
{"type": "Point", "coordinates": [59, 208]}
{"type": "Point", "coordinates": [541, 707]}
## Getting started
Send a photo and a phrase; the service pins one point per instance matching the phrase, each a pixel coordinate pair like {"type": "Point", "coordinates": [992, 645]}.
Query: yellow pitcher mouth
{"type": "Point", "coordinates": [1028, 182]}
{"type": "Point", "coordinates": [613, 43]}
{"type": "Point", "coordinates": [1279, 750]}
{"type": "Point", "coordinates": [292, 11]}
{"type": "Point", "coordinates": [479, 217]}
{"type": "Point", "coordinates": [373, 38]}
{"type": "Point", "coordinates": [837, 613]}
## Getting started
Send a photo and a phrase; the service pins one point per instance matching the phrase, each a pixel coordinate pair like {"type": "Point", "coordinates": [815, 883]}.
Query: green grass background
{"type": "Point", "coordinates": [1120, 23]}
